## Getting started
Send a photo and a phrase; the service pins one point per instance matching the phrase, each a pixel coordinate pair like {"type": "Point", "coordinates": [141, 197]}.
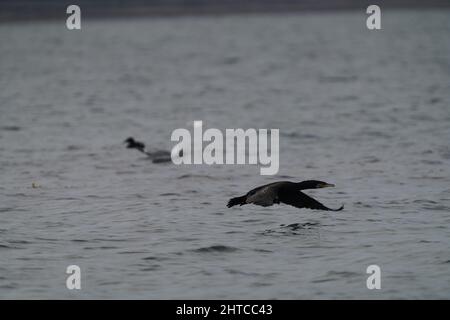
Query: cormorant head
{"type": "Point", "coordinates": [129, 140]}
{"type": "Point", "coordinates": [314, 184]}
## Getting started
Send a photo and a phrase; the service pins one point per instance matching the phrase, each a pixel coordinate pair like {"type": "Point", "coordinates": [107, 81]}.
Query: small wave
{"type": "Point", "coordinates": [216, 248]}
{"type": "Point", "coordinates": [94, 196]}
{"type": "Point", "coordinates": [286, 177]}
{"type": "Point", "coordinates": [297, 226]}
{"type": "Point", "coordinates": [101, 248]}
{"type": "Point", "coordinates": [66, 199]}
{"type": "Point", "coordinates": [292, 134]}
{"type": "Point", "coordinates": [323, 280]}
{"type": "Point", "coordinates": [424, 201]}
{"type": "Point", "coordinates": [125, 172]}
{"type": "Point", "coordinates": [73, 147]}
{"type": "Point", "coordinates": [428, 177]}
{"type": "Point", "coordinates": [131, 252]}
{"type": "Point", "coordinates": [347, 98]}
{"type": "Point", "coordinates": [188, 176]}
{"type": "Point", "coordinates": [230, 60]}
{"type": "Point", "coordinates": [234, 232]}
{"type": "Point", "coordinates": [436, 207]}
{"type": "Point", "coordinates": [11, 128]}
{"type": "Point", "coordinates": [14, 244]}
{"type": "Point", "coordinates": [292, 229]}
{"type": "Point", "coordinates": [299, 135]}
{"type": "Point", "coordinates": [362, 205]}
{"type": "Point", "coordinates": [46, 239]}
{"type": "Point", "coordinates": [19, 242]}
{"type": "Point", "coordinates": [251, 220]}
{"type": "Point", "coordinates": [431, 162]}
{"type": "Point", "coordinates": [336, 79]}
{"type": "Point", "coordinates": [152, 258]}
{"type": "Point", "coordinates": [169, 194]}
{"type": "Point", "coordinates": [370, 159]}
{"type": "Point", "coordinates": [344, 274]}
{"type": "Point", "coordinates": [151, 268]}
{"type": "Point", "coordinates": [240, 272]}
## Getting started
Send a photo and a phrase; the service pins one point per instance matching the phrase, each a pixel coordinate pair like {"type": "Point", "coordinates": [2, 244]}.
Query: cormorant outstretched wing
{"type": "Point", "coordinates": [300, 200]}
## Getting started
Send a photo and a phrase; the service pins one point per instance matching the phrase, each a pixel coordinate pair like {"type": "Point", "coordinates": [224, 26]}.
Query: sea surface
{"type": "Point", "coordinates": [367, 110]}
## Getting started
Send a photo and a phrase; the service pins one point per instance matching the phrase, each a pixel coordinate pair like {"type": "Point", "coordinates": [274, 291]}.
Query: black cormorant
{"type": "Point", "coordinates": [157, 156]}
{"type": "Point", "coordinates": [284, 192]}
{"type": "Point", "coordinates": [133, 144]}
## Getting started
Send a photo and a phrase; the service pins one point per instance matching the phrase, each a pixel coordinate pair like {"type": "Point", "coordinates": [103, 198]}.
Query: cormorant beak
{"type": "Point", "coordinates": [326, 185]}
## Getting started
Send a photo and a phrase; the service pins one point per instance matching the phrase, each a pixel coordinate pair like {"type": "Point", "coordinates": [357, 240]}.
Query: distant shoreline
{"type": "Point", "coordinates": [17, 13]}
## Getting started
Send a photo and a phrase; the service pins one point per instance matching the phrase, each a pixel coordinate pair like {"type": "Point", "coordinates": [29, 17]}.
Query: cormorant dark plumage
{"type": "Point", "coordinates": [157, 156]}
{"type": "Point", "coordinates": [284, 192]}
{"type": "Point", "coordinates": [133, 144]}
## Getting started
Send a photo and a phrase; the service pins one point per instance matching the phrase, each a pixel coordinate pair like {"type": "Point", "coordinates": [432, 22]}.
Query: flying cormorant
{"type": "Point", "coordinates": [284, 192]}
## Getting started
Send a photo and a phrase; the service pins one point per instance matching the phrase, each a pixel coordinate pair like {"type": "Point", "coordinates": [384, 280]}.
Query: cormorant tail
{"type": "Point", "coordinates": [237, 201]}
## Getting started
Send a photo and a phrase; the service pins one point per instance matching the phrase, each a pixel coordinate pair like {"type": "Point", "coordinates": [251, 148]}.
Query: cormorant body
{"type": "Point", "coordinates": [284, 192]}
{"type": "Point", "coordinates": [157, 156]}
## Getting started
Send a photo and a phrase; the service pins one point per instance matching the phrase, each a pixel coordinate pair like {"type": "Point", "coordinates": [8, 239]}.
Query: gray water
{"type": "Point", "coordinates": [365, 110]}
